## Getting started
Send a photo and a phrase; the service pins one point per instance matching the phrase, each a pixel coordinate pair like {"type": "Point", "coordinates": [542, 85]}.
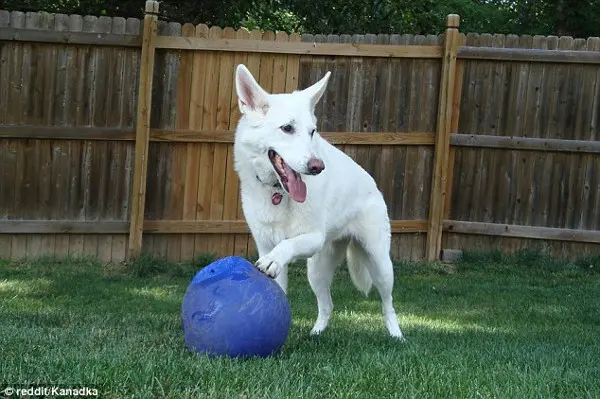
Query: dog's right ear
{"type": "Point", "coordinates": [251, 97]}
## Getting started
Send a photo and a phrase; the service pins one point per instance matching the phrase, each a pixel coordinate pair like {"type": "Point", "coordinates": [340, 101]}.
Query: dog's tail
{"type": "Point", "coordinates": [357, 261]}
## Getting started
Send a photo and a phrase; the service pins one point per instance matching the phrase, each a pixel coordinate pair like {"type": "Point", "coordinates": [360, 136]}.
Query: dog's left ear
{"type": "Point", "coordinates": [251, 97]}
{"type": "Point", "coordinates": [315, 92]}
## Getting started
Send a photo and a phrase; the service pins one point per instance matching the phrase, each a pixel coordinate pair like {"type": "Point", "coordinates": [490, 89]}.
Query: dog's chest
{"type": "Point", "coordinates": [261, 209]}
{"type": "Point", "coordinates": [283, 220]}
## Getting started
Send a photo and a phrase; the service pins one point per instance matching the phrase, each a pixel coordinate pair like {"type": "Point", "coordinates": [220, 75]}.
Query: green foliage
{"type": "Point", "coordinates": [275, 20]}
{"type": "Point", "coordinates": [579, 18]}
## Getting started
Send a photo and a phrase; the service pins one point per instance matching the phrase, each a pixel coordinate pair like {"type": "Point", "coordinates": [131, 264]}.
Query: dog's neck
{"type": "Point", "coordinates": [276, 185]}
{"type": "Point", "coordinates": [277, 191]}
{"type": "Point", "coordinates": [243, 158]}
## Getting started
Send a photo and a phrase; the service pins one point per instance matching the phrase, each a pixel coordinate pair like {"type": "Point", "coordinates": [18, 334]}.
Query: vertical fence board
{"type": "Point", "coordinates": [6, 158]}
{"type": "Point", "coordinates": [354, 98]}
{"type": "Point", "coordinates": [118, 150]}
{"type": "Point", "coordinates": [19, 242]}
{"type": "Point", "coordinates": [456, 103]}
{"type": "Point", "coordinates": [386, 153]}
{"type": "Point", "coordinates": [30, 189]}
{"type": "Point", "coordinates": [244, 243]}
{"type": "Point", "coordinates": [229, 121]}
{"type": "Point", "coordinates": [142, 130]}
{"type": "Point", "coordinates": [5, 239]}
{"type": "Point", "coordinates": [190, 194]}
{"type": "Point", "coordinates": [222, 161]}
{"type": "Point", "coordinates": [442, 145]}
{"type": "Point", "coordinates": [180, 244]}
{"type": "Point", "coordinates": [205, 243]}
{"type": "Point", "coordinates": [75, 82]}
{"type": "Point", "coordinates": [61, 150]}
{"type": "Point", "coordinates": [101, 168]}
{"type": "Point", "coordinates": [90, 241]}
{"type": "Point", "coordinates": [402, 242]}
{"type": "Point", "coordinates": [240, 241]}
{"type": "Point", "coordinates": [168, 168]}
{"type": "Point", "coordinates": [588, 128]}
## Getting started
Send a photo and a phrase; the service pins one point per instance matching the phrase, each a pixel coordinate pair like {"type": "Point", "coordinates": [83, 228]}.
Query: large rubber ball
{"type": "Point", "coordinates": [232, 309]}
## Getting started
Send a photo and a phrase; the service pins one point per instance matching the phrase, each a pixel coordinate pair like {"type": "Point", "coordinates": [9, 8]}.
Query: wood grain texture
{"type": "Point", "coordinates": [63, 226]}
{"type": "Point", "coordinates": [203, 243]}
{"type": "Point", "coordinates": [200, 136]}
{"type": "Point", "coordinates": [528, 55]}
{"type": "Point", "coordinates": [302, 48]}
{"type": "Point", "coordinates": [142, 135]}
{"type": "Point", "coordinates": [525, 143]}
{"type": "Point", "coordinates": [72, 38]}
{"type": "Point", "coordinates": [223, 160]}
{"type": "Point", "coordinates": [442, 146]}
{"type": "Point", "coordinates": [507, 230]}
{"type": "Point", "coordinates": [237, 242]}
{"type": "Point", "coordinates": [523, 147]}
{"type": "Point", "coordinates": [6, 157]}
{"type": "Point", "coordinates": [205, 227]}
{"type": "Point", "coordinates": [14, 108]}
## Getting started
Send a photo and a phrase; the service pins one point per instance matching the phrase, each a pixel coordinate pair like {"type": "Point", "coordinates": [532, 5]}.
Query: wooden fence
{"type": "Point", "coordinates": [116, 135]}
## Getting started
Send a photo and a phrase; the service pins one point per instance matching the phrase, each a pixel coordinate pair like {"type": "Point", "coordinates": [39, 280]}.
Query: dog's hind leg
{"type": "Point", "coordinates": [320, 270]}
{"type": "Point", "coordinates": [376, 254]}
{"type": "Point", "coordinates": [382, 273]}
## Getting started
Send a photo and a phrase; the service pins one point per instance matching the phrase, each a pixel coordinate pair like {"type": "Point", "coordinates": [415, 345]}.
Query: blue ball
{"type": "Point", "coordinates": [232, 309]}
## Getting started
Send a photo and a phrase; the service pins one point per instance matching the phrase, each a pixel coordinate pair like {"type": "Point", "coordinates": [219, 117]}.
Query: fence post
{"type": "Point", "coordinates": [142, 131]}
{"type": "Point", "coordinates": [442, 140]}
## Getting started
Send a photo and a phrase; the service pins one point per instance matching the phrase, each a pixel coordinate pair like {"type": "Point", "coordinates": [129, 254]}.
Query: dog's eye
{"type": "Point", "coordinates": [312, 132]}
{"type": "Point", "coordinates": [287, 128]}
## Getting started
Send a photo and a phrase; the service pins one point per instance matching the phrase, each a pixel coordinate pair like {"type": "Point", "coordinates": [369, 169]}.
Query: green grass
{"type": "Point", "coordinates": [521, 326]}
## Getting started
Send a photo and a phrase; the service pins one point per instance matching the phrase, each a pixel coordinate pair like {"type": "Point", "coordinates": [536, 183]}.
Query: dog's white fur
{"type": "Point", "coordinates": [343, 216]}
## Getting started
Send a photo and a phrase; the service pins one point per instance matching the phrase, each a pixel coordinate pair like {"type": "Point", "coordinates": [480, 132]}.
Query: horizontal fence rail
{"type": "Point", "coordinates": [300, 48]}
{"type": "Point", "coordinates": [535, 232]}
{"type": "Point", "coordinates": [203, 136]}
{"type": "Point", "coordinates": [338, 138]}
{"type": "Point", "coordinates": [79, 38]}
{"type": "Point", "coordinates": [159, 227]}
{"type": "Point", "coordinates": [240, 227]}
{"type": "Point", "coordinates": [525, 143]}
{"type": "Point", "coordinates": [528, 55]}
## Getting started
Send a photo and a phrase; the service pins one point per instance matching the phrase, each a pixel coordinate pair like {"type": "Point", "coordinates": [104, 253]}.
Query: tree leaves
{"type": "Point", "coordinates": [579, 18]}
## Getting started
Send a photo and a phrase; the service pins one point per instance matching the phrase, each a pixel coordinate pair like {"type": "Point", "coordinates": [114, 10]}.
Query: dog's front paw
{"type": "Point", "coordinates": [269, 266]}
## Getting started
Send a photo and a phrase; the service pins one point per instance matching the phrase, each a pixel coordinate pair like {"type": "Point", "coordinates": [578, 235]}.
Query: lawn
{"type": "Point", "coordinates": [520, 326]}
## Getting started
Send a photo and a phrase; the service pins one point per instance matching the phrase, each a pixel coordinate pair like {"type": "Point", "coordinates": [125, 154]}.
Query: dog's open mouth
{"type": "Point", "coordinates": [290, 179]}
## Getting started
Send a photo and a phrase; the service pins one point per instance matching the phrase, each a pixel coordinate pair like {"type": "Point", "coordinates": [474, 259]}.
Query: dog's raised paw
{"type": "Point", "coordinates": [268, 266]}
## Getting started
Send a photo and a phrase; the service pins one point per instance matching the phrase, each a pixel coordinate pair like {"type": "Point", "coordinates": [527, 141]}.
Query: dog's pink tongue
{"type": "Point", "coordinates": [296, 186]}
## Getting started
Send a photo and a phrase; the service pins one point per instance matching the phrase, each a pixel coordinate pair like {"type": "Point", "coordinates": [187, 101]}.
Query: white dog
{"type": "Point", "coordinates": [304, 198]}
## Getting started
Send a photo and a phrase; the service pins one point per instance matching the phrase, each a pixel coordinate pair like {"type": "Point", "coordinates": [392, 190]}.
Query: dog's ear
{"type": "Point", "coordinates": [315, 92]}
{"type": "Point", "coordinates": [251, 97]}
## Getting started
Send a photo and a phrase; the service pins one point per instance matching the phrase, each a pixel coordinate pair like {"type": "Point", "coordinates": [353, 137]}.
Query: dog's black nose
{"type": "Point", "coordinates": [315, 166]}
